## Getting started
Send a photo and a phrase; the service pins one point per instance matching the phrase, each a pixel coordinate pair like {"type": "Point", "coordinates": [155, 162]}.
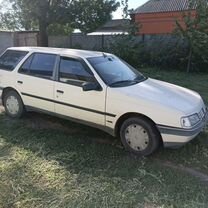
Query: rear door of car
{"type": "Point", "coordinates": [35, 81]}
{"type": "Point", "coordinates": [70, 98]}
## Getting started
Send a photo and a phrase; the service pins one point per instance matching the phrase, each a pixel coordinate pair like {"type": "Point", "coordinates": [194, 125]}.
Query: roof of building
{"type": "Point", "coordinates": [60, 51]}
{"type": "Point", "coordinates": [116, 26]}
{"type": "Point", "coordinates": [155, 6]}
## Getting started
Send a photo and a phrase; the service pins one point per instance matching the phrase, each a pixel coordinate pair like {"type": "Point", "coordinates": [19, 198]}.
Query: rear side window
{"type": "Point", "coordinates": [10, 59]}
{"type": "Point", "coordinates": [39, 64]}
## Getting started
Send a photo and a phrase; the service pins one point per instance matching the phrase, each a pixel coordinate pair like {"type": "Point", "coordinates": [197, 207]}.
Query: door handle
{"type": "Point", "coordinates": [20, 82]}
{"type": "Point", "coordinates": [60, 91]}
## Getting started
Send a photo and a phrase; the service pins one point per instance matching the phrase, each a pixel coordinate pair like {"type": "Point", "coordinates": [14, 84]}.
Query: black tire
{"type": "Point", "coordinates": [20, 111]}
{"type": "Point", "coordinates": [150, 130]}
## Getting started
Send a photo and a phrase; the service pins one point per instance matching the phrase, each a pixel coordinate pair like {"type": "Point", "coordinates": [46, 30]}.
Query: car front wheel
{"type": "Point", "coordinates": [13, 104]}
{"type": "Point", "coordinates": [140, 136]}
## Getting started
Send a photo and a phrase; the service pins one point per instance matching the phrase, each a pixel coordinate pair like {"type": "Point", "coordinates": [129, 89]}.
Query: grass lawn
{"type": "Point", "coordinates": [47, 162]}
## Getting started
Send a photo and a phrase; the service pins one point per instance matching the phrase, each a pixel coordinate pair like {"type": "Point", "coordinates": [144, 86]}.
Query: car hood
{"type": "Point", "coordinates": [166, 94]}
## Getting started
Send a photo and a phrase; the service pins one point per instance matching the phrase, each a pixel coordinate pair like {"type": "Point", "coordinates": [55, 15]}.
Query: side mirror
{"type": "Point", "coordinates": [90, 86]}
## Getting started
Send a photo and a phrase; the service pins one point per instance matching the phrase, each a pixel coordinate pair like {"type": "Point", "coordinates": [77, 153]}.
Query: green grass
{"type": "Point", "coordinates": [53, 163]}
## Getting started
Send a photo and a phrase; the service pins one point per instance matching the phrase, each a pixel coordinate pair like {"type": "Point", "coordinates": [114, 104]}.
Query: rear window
{"type": "Point", "coordinates": [10, 59]}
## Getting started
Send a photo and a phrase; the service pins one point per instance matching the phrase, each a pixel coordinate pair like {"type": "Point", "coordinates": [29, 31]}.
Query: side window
{"type": "Point", "coordinates": [39, 64]}
{"type": "Point", "coordinates": [25, 68]}
{"type": "Point", "coordinates": [73, 70]}
{"type": "Point", "coordinates": [10, 59]}
{"type": "Point", "coordinates": [42, 65]}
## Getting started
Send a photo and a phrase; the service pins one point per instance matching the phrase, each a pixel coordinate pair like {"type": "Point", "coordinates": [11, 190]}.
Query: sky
{"type": "Point", "coordinates": [133, 4]}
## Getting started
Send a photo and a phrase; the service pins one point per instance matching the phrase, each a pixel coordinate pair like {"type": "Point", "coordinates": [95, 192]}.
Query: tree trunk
{"type": "Point", "coordinates": [189, 60]}
{"type": "Point", "coordinates": [43, 38]}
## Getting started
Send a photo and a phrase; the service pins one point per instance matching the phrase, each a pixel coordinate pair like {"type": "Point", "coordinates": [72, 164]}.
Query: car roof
{"type": "Point", "coordinates": [60, 51]}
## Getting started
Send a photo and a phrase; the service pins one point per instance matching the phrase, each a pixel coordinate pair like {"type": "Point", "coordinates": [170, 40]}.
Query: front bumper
{"type": "Point", "coordinates": [176, 137]}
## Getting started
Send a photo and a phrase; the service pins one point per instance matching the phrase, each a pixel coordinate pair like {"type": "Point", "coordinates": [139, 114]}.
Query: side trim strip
{"type": "Point", "coordinates": [170, 127]}
{"type": "Point", "coordinates": [69, 105]}
{"type": "Point", "coordinates": [179, 131]}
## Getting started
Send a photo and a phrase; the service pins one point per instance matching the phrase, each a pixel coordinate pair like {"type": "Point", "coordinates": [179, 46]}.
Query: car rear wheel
{"type": "Point", "coordinates": [13, 104]}
{"type": "Point", "coordinates": [140, 136]}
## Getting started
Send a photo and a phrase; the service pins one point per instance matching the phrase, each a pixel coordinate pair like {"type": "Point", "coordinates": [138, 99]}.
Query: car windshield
{"type": "Point", "coordinates": [115, 72]}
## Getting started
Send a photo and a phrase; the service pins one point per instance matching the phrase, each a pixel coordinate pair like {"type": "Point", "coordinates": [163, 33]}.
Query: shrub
{"type": "Point", "coordinates": [167, 52]}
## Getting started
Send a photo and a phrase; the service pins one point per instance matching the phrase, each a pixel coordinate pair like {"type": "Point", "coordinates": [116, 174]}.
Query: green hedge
{"type": "Point", "coordinates": [165, 52]}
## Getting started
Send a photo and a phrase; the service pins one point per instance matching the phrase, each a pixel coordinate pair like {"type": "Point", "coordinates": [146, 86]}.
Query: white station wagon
{"type": "Point", "coordinates": [100, 90]}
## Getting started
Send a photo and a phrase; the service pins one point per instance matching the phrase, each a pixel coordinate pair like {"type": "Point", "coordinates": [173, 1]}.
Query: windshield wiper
{"type": "Point", "coordinates": [129, 82]}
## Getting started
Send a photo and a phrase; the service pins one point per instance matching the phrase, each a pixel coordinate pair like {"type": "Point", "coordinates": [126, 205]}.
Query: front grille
{"type": "Point", "coordinates": [202, 113]}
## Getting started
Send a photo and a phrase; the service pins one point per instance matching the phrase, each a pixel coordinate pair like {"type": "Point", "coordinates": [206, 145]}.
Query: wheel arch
{"type": "Point", "coordinates": [7, 89]}
{"type": "Point", "coordinates": [130, 115]}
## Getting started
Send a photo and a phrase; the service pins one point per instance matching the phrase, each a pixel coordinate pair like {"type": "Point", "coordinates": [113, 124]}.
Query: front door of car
{"type": "Point", "coordinates": [71, 100]}
{"type": "Point", "coordinates": [35, 81]}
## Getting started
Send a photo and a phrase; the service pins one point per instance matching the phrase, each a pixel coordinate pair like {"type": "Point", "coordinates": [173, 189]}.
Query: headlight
{"type": "Point", "coordinates": [190, 121]}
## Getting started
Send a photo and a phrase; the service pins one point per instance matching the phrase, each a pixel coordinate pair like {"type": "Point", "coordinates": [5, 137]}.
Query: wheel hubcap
{"type": "Point", "coordinates": [12, 105]}
{"type": "Point", "coordinates": [137, 137]}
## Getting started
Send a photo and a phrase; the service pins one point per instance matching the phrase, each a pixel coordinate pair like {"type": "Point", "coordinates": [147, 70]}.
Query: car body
{"type": "Point", "coordinates": [75, 84]}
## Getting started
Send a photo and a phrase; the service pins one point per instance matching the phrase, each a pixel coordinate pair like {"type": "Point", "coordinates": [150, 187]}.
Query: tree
{"type": "Point", "coordinates": [89, 15]}
{"type": "Point", "coordinates": [125, 5]}
{"type": "Point", "coordinates": [193, 28]}
{"type": "Point", "coordinates": [80, 14]}
{"type": "Point", "coordinates": [60, 29]}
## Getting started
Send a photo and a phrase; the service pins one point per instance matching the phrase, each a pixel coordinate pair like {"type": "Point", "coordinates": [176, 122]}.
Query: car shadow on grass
{"type": "Point", "coordinates": [52, 162]}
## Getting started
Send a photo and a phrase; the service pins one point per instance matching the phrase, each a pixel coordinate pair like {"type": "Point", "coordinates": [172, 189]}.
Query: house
{"type": "Point", "coordinates": [113, 27]}
{"type": "Point", "coordinates": [159, 16]}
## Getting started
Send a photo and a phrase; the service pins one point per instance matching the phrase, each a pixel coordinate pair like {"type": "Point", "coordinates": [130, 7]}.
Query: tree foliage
{"type": "Point", "coordinates": [60, 29]}
{"type": "Point", "coordinates": [89, 15]}
{"type": "Point", "coordinates": [54, 14]}
{"type": "Point", "coordinates": [125, 4]}
{"type": "Point", "coordinates": [194, 30]}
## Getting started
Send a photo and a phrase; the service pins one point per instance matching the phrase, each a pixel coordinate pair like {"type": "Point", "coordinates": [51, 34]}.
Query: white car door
{"type": "Point", "coordinates": [70, 98]}
{"type": "Point", "coordinates": [35, 81]}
